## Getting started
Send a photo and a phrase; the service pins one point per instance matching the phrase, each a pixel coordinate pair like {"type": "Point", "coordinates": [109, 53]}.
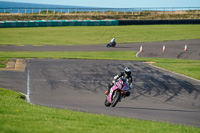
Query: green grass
{"type": "Point", "coordinates": [16, 115]}
{"type": "Point", "coordinates": [189, 68]}
{"type": "Point", "coordinates": [73, 35]}
{"type": "Point", "coordinates": [3, 62]}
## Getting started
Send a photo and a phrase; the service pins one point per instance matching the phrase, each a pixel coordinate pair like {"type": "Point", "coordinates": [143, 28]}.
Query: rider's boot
{"type": "Point", "coordinates": [127, 94]}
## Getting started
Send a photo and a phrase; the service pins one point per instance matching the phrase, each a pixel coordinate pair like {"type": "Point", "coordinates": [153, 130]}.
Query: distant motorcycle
{"type": "Point", "coordinates": [111, 45]}
{"type": "Point", "coordinates": [117, 92]}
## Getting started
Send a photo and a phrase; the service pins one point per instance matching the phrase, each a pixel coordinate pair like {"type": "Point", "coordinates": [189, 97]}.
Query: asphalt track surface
{"type": "Point", "coordinates": [79, 85]}
{"type": "Point", "coordinates": [174, 49]}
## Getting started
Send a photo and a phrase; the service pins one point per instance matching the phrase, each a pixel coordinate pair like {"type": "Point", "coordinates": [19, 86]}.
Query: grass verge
{"type": "Point", "coordinates": [16, 115]}
{"type": "Point", "coordinates": [189, 68]}
{"type": "Point", "coordinates": [73, 35]}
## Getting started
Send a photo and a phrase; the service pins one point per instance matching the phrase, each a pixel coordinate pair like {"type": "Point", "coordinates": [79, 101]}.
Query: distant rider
{"type": "Point", "coordinates": [112, 41]}
{"type": "Point", "coordinates": [126, 75]}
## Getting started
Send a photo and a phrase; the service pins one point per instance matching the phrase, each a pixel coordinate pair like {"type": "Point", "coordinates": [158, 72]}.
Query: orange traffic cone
{"type": "Point", "coordinates": [141, 48]}
{"type": "Point", "coordinates": [163, 48]}
{"type": "Point", "coordinates": [185, 49]}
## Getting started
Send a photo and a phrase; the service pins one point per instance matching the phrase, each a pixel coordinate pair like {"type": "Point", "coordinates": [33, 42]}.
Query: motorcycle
{"type": "Point", "coordinates": [117, 92]}
{"type": "Point", "coordinates": [111, 44]}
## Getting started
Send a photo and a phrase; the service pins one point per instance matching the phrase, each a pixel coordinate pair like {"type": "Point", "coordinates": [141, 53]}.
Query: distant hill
{"type": "Point", "coordinates": [4, 4]}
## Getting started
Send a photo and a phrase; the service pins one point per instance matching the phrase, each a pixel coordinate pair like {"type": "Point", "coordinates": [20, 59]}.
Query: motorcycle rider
{"type": "Point", "coordinates": [112, 41]}
{"type": "Point", "coordinates": [126, 75]}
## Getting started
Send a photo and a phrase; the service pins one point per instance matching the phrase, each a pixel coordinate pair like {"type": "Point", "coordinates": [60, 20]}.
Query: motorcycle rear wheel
{"type": "Point", "coordinates": [116, 97]}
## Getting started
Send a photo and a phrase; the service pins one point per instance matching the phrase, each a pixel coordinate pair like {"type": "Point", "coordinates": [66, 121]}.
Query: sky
{"type": "Point", "coordinates": [117, 3]}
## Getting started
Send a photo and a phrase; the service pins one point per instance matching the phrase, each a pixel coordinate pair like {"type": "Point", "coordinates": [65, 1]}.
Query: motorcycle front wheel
{"type": "Point", "coordinates": [106, 103]}
{"type": "Point", "coordinates": [114, 45]}
{"type": "Point", "coordinates": [116, 97]}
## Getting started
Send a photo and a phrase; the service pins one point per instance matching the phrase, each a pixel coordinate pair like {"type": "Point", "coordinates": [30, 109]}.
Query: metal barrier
{"type": "Point", "coordinates": [150, 22]}
{"type": "Point", "coordinates": [136, 13]}
{"type": "Point", "coordinates": [48, 23]}
{"type": "Point", "coordinates": [45, 23]}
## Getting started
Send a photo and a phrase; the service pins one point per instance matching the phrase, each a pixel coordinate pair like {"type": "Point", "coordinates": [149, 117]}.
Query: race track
{"type": "Point", "coordinates": [80, 84]}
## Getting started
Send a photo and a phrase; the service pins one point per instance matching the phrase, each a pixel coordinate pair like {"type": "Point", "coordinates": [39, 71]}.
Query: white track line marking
{"type": "Point", "coordinates": [137, 54]}
{"type": "Point", "coordinates": [28, 83]}
{"type": "Point", "coordinates": [170, 71]}
{"type": "Point", "coordinates": [23, 94]}
{"type": "Point", "coordinates": [175, 73]}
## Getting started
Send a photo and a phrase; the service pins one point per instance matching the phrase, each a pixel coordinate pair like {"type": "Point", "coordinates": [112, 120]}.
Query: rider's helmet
{"type": "Point", "coordinates": [127, 71]}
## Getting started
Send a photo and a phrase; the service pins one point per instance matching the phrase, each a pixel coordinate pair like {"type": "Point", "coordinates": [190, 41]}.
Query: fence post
{"type": "Point", "coordinates": [32, 11]}
{"type": "Point", "coordinates": [11, 11]}
{"type": "Point", "coordinates": [47, 12]}
{"type": "Point", "coordinates": [4, 11]}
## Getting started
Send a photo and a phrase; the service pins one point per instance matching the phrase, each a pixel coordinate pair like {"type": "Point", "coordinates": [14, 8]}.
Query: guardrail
{"type": "Point", "coordinates": [133, 13]}
{"type": "Point", "coordinates": [46, 23]}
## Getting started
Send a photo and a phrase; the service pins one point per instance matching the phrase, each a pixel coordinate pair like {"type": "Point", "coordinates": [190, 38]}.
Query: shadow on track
{"type": "Point", "coordinates": [151, 81]}
{"type": "Point", "coordinates": [154, 109]}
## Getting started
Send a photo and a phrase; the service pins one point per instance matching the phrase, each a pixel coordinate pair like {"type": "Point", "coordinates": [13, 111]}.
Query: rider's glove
{"type": "Point", "coordinates": [113, 81]}
{"type": "Point", "coordinates": [116, 77]}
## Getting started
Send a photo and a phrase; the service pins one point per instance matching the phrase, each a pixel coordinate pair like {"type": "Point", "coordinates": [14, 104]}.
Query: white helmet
{"type": "Point", "coordinates": [127, 71]}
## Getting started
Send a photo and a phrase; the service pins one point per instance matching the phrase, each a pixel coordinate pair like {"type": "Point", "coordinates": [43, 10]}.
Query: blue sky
{"type": "Point", "coordinates": [117, 3]}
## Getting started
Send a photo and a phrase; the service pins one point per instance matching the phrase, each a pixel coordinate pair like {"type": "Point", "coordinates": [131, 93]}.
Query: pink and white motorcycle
{"type": "Point", "coordinates": [117, 92]}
